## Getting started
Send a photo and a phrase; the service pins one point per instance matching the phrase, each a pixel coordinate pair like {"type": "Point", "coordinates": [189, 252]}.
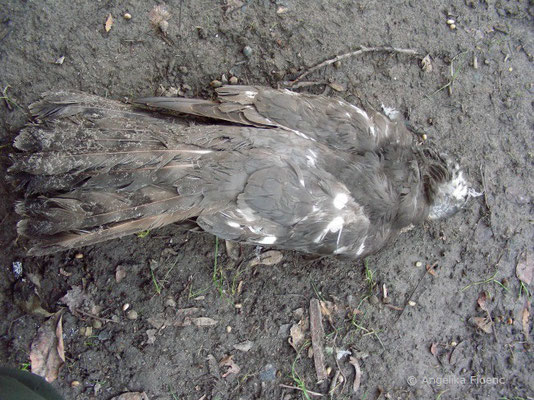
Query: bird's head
{"type": "Point", "coordinates": [452, 193]}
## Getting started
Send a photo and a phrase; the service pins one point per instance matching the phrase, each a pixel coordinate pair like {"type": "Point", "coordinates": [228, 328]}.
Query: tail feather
{"type": "Point", "coordinates": [69, 240]}
{"type": "Point", "coordinates": [95, 169]}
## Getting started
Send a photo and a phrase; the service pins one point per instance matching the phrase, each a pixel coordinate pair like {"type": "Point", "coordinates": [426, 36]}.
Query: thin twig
{"type": "Point", "coordinates": [96, 317]}
{"type": "Point", "coordinates": [302, 390]}
{"type": "Point", "coordinates": [362, 50]}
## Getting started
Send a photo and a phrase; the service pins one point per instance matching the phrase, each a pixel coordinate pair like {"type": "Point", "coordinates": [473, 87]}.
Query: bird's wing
{"type": "Point", "coordinates": [334, 122]}
{"type": "Point", "coordinates": [298, 209]}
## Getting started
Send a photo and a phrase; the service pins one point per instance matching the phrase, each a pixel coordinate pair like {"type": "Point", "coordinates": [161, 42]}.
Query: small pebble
{"type": "Point", "coordinates": [451, 22]}
{"type": "Point", "coordinates": [75, 383]}
{"type": "Point", "coordinates": [454, 344]}
{"type": "Point", "coordinates": [228, 329]}
{"type": "Point", "coordinates": [373, 300]}
{"type": "Point", "coordinates": [132, 314]}
{"type": "Point", "coordinates": [78, 256]}
{"type": "Point", "coordinates": [233, 80]}
{"type": "Point", "coordinates": [452, 26]}
{"type": "Point", "coordinates": [224, 79]}
{"type": "Point", "coordinates": [169, 302]}
{"type": "Point", "coordinates": [386, 300]}
{"type": "Point", "coordinates": [125, 306]}
{"type": "Point", "coordinates": [418, 264]}
{"type": "Point", "coordinates": [337, 64]}
{"type": "Point", "coordinates": [510, 69]}
{"type": "Point", "coordinates": [183, 69]}
{"type": "Point", "coordinates": [87, 331]}
{"type": "Point", "coordinates": [97, 324]}
{"type": "Point", "coordinates": [215, 83]}
{"type": "Point", "coordinates": [510, 321]}
{"type": "Point", "coordinates": [412, 303]}
{"type": "Point", "coordinates": [238, 305]}
{"type": "Point", "coordinates": [186, 87]}
{"type": "Point", "coordinates": [127, 16]}
{"type": "Point", "coordinates": [328, 371]}
{"type": "Point", "coordinates": [247, 51]}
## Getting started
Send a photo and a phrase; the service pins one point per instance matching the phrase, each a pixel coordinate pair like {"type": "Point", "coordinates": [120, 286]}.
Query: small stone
{"type": "Point", "coordinates": [451, 22]}
{"type": "Point", "coordinates": [328, 371]}
{"type": "Point", "coordinates": [228, 329]}
{"type": "Point", "coordinates": [418, 264]}
{"type": "Point", "coordinates": [412, 303]}
{"type": "Point", "coordinates": [454, 344]}
{"type": "Point", "coordinates": [75, 384]}
{"type": "Point", "coordinates": [510, 69]}
{"type": "Point", "coordinates": [183, 69]}
{"type": "Point", "coordinates": [132, 314]}
{"type": "Point", "coordinates": [87, 331]}
{"type": "Point", "coordinates": [186, 87]}
{"type": "Point", "coordinates": [238, 306]}
{"type": "Point", "coordinates": [386, 300]}
{"type": "Point", "coordinates": [247, 51]}
{"type": "Point", "coordinates": [233, 80]}
{"type": "Point", "coordinates": [509, 321]}
{"type": "Point", "coordinates": [215, 83]}
{"type": "Point", "coordinates": [127, 16]}
{"type": "Point", "coordinates": [452, 26]}
{"type": "Point", "coordinates": [125, 306]}
{"type": "Point", "coordinates": [78, 256]}
{"type": "Point", "coordinates": [268, 373]}
{"type": "Point", "coordinates": [337, 64]}
{"type": "Point", "coordinates": [169, 302]}
{"type": "Point", "coordinates": [224, 79]}
{"type": "Point", "coordinates": [97, 324]}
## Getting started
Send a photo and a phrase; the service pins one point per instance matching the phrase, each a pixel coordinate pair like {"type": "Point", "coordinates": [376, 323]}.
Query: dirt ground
{"type": "Point", "coordinates": [423, 342]}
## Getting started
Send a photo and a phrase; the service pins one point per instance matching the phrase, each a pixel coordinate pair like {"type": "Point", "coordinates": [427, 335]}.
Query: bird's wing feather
{"type": "Point", "coordinates": [330, 121]}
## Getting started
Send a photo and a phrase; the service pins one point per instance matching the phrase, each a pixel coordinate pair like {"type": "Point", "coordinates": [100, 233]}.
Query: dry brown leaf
{"type": "Point", "coordinates": [158, 17]}
{"type": "Point", "coordinates": [244, 346]}
{"type": "Point", "coordinates": [131, 396]}
{"type": "Point", "coordinates": [76, 298]}
{"type": "Point", "coordinates": [525, 268]}
{"type": "Point", "coordinates": [481, 301]}
{"type": "Point", "coordinates": [426, 63]}
{"type": "Point", "coordinates": [317, 335]}
{"type": "Point", "coordinates": [33, 305]}
{"type": "Point", "coordinates": [109, 23]}
{"type": "Point", "coordinates": [228, 361]}
{"type": "Point", "coordinates": [151, 333]}
{"type": "Point", "coordinates": [203, 321]}
{"type": "Point", "coordinates": [271, 257]}
{"type": "Point", "coordinates": [296, 336]}
{"type": "Point", "coordinates": [47, 353]}
{"type": "Point", "coordinates": [337, 87]}
{"type": "Point", "coordinates": [357, 374]}
{"type": "Point", "coordinates": [120, 273]}
{"type": "Point", "coordinates": [484, 323]}
{"type": "Point", "coordinates": [525, 315]}
{"type": "Point", "coordinates": [434, 349]}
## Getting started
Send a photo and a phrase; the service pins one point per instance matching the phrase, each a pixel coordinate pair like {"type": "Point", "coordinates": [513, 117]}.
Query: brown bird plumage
{"type": "Point", "coordinates": [271, 167]}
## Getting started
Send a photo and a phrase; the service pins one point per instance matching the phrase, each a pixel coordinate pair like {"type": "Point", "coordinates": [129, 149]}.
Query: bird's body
{"type": "Point", "coordinates": [270, 167]}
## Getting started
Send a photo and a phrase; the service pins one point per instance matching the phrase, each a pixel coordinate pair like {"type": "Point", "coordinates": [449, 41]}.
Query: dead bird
{"type": "Point", "coordinates": [264, 166]}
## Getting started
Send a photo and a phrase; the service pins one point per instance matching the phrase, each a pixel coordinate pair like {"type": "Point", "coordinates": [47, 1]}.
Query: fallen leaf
{"type": "Point", "coordinates": [109, 23]}
{"type": "Point", "coordinates": [75, 298]}
{"type": "Point", "coordinates": [131, 396]}
{"type": "Point", "coordinates": [120, 273]}
{"type": "Point", "coordinates": [33, 305]}
{"type": "Point", "coordinates": [271, 257]}
{"type": "Point", "coordinates": [484, 323]}
{"type": "Point", "coordinates": [525, 315]}
{"type": "Point", "coordinates": [158, 17]}
{"type": "Point", "coordinates": [151, 333]}
{"type": "Point", "coordinates": [357, 374]}
{"type": "Point", "coordinates": [203, 321]}
{"type": "Point", "coordinates": [434, 349]}
{"type": "Point", "coordinates": [525, 268]}
{"type": "Point", "coordinates": [426, 63]}
{"type": "Point", "coordinates": [244, 346]}
{"type": "Point", "coordinates": [337, 87]}
{"type": "Point", "coordinates": [317, 335]}
{"type": "Point", "coordinates": [296, 336]}
{"type": "Point", "coordinates": [229, 362]}
{"type": "Point", "coordinates": [481, 301]}
{"type": "Point", "coordinates": [47, 353]}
